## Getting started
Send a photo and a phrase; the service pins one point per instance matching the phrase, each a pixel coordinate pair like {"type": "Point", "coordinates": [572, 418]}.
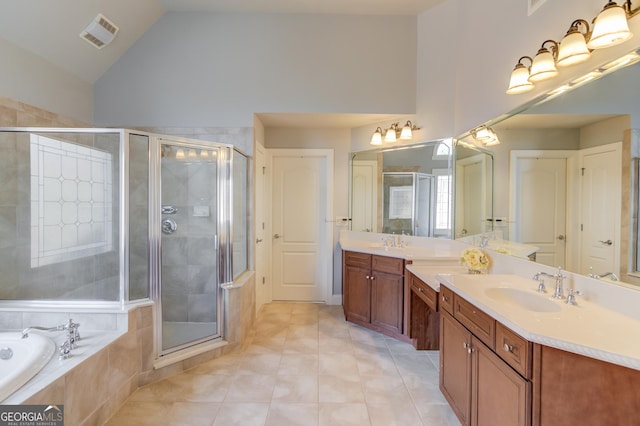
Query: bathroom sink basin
{"type": "Point", "coordinates": [523, 299]}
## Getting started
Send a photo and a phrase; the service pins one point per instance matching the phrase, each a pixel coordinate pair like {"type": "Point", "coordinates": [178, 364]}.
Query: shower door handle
{"type": "Point", "coordinates": [169, 226]}
{"type": "Point", "coordinates": [169, 210]}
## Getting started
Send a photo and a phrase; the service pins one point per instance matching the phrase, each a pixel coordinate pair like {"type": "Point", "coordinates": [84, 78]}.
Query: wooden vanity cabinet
{"type": "Point", "coordinates": [479, 384]}
{"type": "Point", "coordinates": [424, 319]}
{"type": "Point", "coordinates": [579, 390]}
{"type": "Point", "coordinates": [373, 292]}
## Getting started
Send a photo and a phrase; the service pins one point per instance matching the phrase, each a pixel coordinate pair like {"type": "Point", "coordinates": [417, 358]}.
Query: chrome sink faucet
{"type": "Point", "coordinates": [539, 276]}
{"type": "Point", "coordinates": [614, 277]}
{"type": "Point", "coordinates": [559, 291]}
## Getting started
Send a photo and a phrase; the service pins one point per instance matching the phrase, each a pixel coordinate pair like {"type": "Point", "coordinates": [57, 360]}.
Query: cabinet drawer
{"type": "Point", "coordinates": [392, 265]}
{"type": "Point", "coordinates": [446, 299]}
{"type": "Point", "coordinates": [360, 260]}
{"type": "Point", "coordinates": [476, 321]}
{"type": "Point", "coordinates": [424, 292]}
{"type": "Point", "coordinates": [515, 350]}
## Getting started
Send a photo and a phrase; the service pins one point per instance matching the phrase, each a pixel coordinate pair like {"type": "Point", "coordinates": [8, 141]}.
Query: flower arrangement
{"type": "Point", "coordinates": [475, 260]}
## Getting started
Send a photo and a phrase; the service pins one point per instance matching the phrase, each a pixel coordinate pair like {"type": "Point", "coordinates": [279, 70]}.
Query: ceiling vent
{"type": "Point", "coordinates": [100, 31]}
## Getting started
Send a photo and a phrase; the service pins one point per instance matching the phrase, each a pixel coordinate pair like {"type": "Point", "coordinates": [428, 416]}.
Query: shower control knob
{"type": "Point", "coordinates": [169, 226]}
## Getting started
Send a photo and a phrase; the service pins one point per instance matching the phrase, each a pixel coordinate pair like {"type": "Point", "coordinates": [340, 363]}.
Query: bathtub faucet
{"type": "Point", "coordinates": [25, 332]}
{"type": "Point", "coordinates": [71, 328]}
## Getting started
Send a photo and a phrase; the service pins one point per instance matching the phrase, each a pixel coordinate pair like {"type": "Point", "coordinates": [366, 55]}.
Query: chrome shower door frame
{"type": "Point", "coordinates": [223, 234]}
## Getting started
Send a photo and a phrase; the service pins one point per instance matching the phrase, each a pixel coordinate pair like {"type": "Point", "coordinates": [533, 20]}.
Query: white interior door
{"type": "Point", "coordinates": [470, 196]}
{"type": "Point", "coordinates": [539, 204]}
{"type": "Point", "coordinates": [263, 231]}
{"type": "Point", "coordinates": [302, 239]}
{"type": "Point", "coordinates": [600, 209]}
{"type": "Point", "coordinates": [364, 200]}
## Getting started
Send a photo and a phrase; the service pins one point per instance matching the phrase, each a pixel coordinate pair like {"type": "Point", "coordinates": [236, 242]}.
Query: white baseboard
{"type": "Point", "coordinates": [335, 299]}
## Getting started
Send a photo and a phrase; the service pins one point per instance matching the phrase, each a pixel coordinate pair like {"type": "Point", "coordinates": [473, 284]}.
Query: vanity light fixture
{"type": "Point", "coordinates": [393, 133]}
{"type": "Point", "coordinates": [610, 26]}
{"type": "Point", "coordinates": [543, 66]}
{"type": "Point", "coordinates": [519, 82]}
{"type": "Point", "coordinates": [376, 139]}
{"type": "Point", "coordinates": [407, 131]}
{"type": "Point", "coordinates": [573, 47]}
{"type": "Point", "coordinates": [485, 135]}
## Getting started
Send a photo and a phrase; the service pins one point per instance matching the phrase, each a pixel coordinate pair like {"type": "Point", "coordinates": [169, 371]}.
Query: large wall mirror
{"type": "Point", "coordinates": [563, 177]}
{"type": "Point", "coordinates": [403, 190]}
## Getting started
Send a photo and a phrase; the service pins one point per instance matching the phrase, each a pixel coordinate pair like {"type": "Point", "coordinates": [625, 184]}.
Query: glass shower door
{"type": "Point", "coordinates": [189, 286]}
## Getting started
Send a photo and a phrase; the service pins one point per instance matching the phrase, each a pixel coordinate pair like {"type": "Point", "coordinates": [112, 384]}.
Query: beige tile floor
{"type": "Point", "coordinates": [302, 365]}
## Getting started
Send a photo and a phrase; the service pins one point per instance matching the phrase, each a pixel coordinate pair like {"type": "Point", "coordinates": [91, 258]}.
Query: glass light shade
{"type": "Point", "coordinates": [180, 154]}
{"type": "Point", "coordinates": [610, 27]}
{"type": "Point", "coordinates": [519, 82]}
{"type": "Point", "coordinates": [407, 133]}
{"type": "Point", "coordinates": [390, 136]}
{"type": "Point", "coordinates": [204, 154]}
{"type": "Point", "coordinates": [573, 49]}
{"type": "Point", "coordinates": [543, 67]}
{"type": "Point", "coordinates": [376, 139]}
{"type": "Point", "coordinates": [493, 141]}
{"type": "Point", "coordinates": [484, 134]}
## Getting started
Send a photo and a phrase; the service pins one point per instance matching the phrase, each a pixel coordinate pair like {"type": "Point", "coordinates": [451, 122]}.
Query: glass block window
{"type": "Point", "coordinates": [71, 201]}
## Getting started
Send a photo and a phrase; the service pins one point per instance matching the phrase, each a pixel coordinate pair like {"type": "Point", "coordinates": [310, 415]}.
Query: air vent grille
{"type": "Point", "coordinates": [100, 32]}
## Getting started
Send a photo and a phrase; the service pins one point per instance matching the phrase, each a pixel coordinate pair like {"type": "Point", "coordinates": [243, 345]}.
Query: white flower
{"type": "Point", "coordinates": [474, 258]}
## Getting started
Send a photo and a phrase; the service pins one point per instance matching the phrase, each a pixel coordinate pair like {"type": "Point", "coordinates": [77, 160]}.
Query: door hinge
{"type": "Point", "coordinates": [581, 227]}
{"type": "Point", "coordinates": [264, 280]}
{"type": "Point", "coordinates": [582, 171]}
{"type": "Point", "coordinates": [264, 170]}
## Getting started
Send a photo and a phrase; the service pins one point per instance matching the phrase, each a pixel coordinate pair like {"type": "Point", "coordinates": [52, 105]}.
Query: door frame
{"type": "Point", "coordinates": [572, 214]}
{"type": "Point", "coordinates": [262, 230]}
{"type": "Point", "coordinates": [327, 238]}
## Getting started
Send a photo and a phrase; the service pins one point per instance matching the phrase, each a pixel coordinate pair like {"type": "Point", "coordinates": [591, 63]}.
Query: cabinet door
{"type": "Point", "coordinates": [455, 366]}
{"type": "Point", "coordinates": [386, 301]}
{"type": "Point", "coordinates": [357, 288]}
{"type": "Point", "coordinates": [499, 395]}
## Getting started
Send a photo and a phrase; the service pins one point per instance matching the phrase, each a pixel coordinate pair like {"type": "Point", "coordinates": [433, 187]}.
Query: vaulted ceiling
{"type": "Point", "coordinates": [51, 28]}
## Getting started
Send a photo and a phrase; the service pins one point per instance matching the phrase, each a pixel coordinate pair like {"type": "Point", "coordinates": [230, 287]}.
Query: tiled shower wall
{"type": "Point", "coordinates": [189, 279]}
{"type": "Point", "coordinates": [59, 236]}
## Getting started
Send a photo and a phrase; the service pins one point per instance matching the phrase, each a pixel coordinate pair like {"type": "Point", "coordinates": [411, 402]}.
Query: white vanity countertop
{"type": "Point", "coordinates": [409, 252]}
{"type": "Point", "coordinates": [428, 273]}
{"type": "Point", "coordinates": [586, 329]}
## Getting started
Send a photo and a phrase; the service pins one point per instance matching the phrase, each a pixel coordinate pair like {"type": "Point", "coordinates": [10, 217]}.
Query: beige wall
{"type": "Point", "coordinates": [14, 113]}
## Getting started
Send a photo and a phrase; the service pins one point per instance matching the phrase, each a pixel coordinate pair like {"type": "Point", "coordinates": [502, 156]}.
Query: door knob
{"type": "Point", "coordinates": [276, 236]}
{"type": "Point", "coordinates": [561, 237]}
{"type": "Point", "coordinates": [608, 242]}
{"type": "Point", "coordinates": [258, 240]}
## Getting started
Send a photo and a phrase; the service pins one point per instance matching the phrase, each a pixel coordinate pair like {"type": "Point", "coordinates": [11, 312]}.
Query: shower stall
{"type": "Point", "coordinates": [107, 217]}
